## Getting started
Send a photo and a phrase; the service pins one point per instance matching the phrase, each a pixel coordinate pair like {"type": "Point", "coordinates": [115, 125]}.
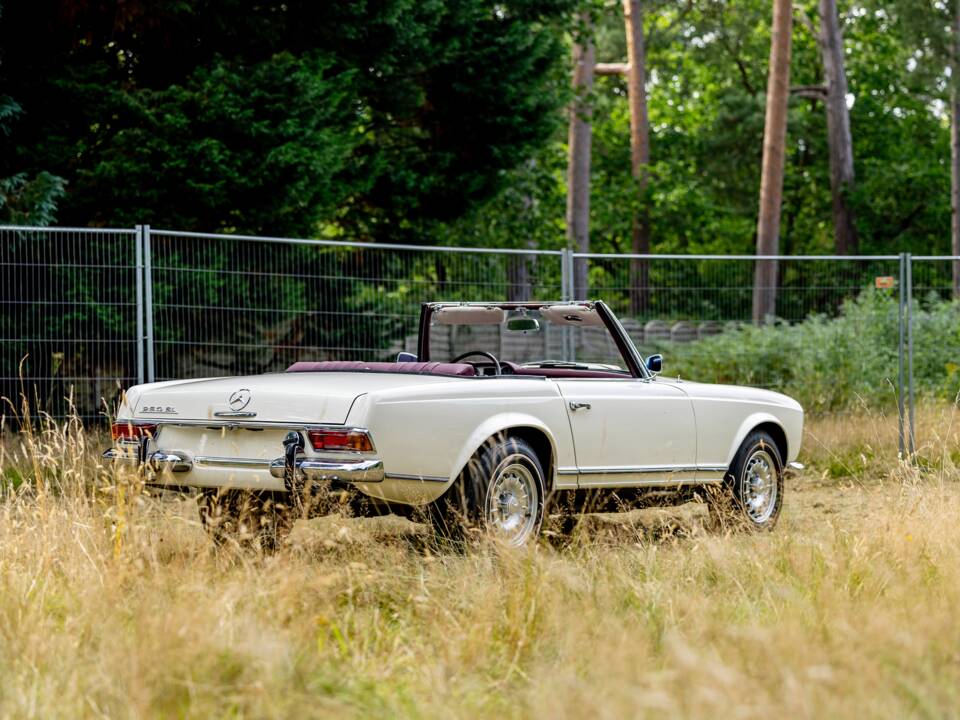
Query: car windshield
{"type": "Point", "coordinates": [558, 336]}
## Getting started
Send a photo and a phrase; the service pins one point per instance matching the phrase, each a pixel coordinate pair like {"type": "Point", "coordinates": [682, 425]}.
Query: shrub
{"type": "Point", "coordinates": [832, 363]}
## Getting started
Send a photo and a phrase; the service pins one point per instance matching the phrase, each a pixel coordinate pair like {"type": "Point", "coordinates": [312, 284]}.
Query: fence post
{"type": "Point", "coordinates": [148, 304]}
{"type": "Point", "coordinates": [138, 240]}
{"type": "Point", "coordinates": [901, 352]}
{"type": "Point", "coordinates": [910, 398]}
{"type": "Point", "coordinates": [566, 295]}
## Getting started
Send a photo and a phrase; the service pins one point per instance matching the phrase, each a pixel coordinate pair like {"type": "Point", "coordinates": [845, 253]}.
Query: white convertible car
{"type": "Point", "coordinates": [506, 410]}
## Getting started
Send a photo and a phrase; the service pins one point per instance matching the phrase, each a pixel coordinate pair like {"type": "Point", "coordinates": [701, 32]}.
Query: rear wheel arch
{"type": "Point", "coordinates": [525, 428]}
{"type": "Point", "coordinates": [542, 445]}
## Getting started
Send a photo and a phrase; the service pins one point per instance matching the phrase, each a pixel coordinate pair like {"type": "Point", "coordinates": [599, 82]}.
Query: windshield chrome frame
{"type": "Point", "coordinates": [628, 351]}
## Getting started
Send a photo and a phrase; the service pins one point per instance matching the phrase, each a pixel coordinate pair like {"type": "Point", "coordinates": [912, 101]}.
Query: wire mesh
{"type": "Point", "coordinates": [225, 305]}
{"type": "Point", "coordinates": [933, 278]}
{"type": "Point", "coordinates": [688, 306]}
{"type": "Point", "coordinates": [68, 326]}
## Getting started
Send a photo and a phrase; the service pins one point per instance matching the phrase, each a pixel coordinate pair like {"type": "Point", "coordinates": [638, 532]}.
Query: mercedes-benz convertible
{"type": "Point", "coordinates": [506, 411]}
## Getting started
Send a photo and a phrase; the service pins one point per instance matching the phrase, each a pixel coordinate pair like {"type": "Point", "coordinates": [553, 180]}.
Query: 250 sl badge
{"type": "Point", "coordinates": [159, 410]}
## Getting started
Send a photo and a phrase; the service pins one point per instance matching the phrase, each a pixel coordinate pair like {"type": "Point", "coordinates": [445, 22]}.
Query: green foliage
{"type": "Point", "coordinates": [30, 201]}
{"type": "Point", "coordinates": [371, 119]}
{"type": "Point", "coordinates": [26, 200]}
{"type": "Point", "coordinates": [707, 73]}
{"type": "Point", "coordinates": [838, 363]}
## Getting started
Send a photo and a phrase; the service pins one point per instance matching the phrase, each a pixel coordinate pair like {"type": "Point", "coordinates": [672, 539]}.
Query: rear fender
{"type": "Point", "coordinates": [496, 425]}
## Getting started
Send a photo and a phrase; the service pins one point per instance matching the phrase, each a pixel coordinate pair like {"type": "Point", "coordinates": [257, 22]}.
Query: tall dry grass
{"type": "Point", "coordinates": [113, 603]}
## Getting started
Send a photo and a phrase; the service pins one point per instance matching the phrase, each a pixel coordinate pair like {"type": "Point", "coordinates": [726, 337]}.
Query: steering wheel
{"type": "Point", "coordinates": [483, 353]}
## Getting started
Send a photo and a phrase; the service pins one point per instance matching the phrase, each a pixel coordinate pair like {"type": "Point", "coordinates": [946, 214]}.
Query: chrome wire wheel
{"type": "Point", "coordinates": [758, 486]}
{"type": "Point", "coordinates": [513, 501]}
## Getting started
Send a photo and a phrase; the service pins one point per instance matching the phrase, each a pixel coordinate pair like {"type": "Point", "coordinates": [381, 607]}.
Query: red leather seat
{"type": "Point", "coordinates": [411, 368]}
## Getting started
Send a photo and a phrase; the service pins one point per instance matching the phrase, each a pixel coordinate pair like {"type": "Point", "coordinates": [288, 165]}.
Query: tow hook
{"type": "Point", "coordinates": [292, 446]}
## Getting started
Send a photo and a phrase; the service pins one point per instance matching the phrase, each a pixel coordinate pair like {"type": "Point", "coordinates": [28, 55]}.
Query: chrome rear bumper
{"type": "Point", "coordinates": [351, 471]}
{"type": "Point", "coordinates": [357, 471]}
{"type": "Point", "coordinates": [157, 461]}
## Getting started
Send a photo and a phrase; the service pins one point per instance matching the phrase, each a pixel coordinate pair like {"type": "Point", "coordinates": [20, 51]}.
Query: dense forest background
{"type": "Point", "coordinates": [440, 122]}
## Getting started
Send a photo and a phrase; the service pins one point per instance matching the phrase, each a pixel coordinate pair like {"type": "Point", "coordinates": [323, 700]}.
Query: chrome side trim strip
{"type": "Point", "coordinates": [675, 480]}
{"type": "Point", "coordinates": [568, 471]}
{"type": "Point", "coordinates": [645, 469]}
{"type": "Point", "coordinates": [417, 478]}
{"type": "Point", "coordinates": [641, 470]}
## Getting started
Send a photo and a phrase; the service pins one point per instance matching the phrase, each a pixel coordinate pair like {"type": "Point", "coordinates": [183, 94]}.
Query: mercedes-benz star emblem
{"type": "Point", "coordinates": [239, 400]}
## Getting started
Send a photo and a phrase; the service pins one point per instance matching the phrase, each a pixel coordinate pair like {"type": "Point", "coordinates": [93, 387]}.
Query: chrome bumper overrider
{"type": "Point", "coordinates": [357, 471]}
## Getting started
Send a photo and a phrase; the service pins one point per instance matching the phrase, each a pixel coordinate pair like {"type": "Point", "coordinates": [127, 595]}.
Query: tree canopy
{"type": "Point", "coordinates": [376, 119]}
{"type": "Point", "coordinates": [707, 69]}
{"type": "Point", "coordinates": [440, 121]}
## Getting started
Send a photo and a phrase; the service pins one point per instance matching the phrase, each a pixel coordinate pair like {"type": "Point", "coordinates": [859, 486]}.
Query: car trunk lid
{"type": "Point", "coordinates": [288, 398]}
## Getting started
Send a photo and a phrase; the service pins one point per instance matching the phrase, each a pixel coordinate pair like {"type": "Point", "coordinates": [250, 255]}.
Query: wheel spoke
{"type": "Point", "coordinates": [513, 500]}
{"type": "Point", "coordinates": [759, 486]}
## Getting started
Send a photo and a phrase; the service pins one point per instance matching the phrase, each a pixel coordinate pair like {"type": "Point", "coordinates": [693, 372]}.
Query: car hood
{"type": "Point", "coordinates": [733, 392]}
{"type": "Point", "coordinates": [323, 397]}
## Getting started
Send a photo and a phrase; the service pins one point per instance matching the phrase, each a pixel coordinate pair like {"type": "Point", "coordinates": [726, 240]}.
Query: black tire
{"type": "Point", "coordinates": [744, 502]}
{"type": "Point", "coordinates": [508, 467]}
{"type": "Point", "coordinates": [244, 518]}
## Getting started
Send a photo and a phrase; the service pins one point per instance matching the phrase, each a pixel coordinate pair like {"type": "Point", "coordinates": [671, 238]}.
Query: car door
{"type": "Point", "coordinates": [630, 432]}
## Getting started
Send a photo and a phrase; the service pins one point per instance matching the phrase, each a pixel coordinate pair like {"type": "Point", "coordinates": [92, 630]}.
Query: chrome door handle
{"type": "Point", "coordinates": [574, 406]}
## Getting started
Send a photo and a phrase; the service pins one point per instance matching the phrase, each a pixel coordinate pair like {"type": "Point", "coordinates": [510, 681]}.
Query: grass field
{"type": "Point", "coordinates": [113, 604]}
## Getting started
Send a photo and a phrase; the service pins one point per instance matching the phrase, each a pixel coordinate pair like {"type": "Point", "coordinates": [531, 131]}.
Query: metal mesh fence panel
{"type": "Point", "coordinates": [75, 304]}
{"type": "Point", "coordinates": [933, 342]}
{"type": "Point", "coordinates": [698, 311]}
{"type": "Point", "coordinates": [933, 278]}
{"type": "Point", "coordinates": [225, 305]}
{"type": "Point", "coordinates": [68, 326]}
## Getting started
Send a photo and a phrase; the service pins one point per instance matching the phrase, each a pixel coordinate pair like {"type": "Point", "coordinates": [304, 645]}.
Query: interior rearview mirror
{"type": "Point", "coordinates": [406, 357]}
{"type": "Point", "coordinates": [655, 363]}
{"type": "Point", "coordinates": [523, 324]}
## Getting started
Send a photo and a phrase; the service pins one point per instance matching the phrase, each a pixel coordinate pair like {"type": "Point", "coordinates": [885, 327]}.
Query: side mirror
{"type": "Point", "coordinates": [406, 357]}
{"type": "Point", "coordinates": [655, 364]}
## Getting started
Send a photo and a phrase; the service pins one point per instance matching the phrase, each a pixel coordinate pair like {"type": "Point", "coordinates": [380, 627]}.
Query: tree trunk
{"type": "Point", "coordinates": [639, 152]}
{"type": "Point", "coordinates": [774, 149]}
{"type": "Point", "coordinates": [578, 168]}
{"type": "Point", "coordinates": [838, 128]}
{"type": "Point", "coordinates": [955, 150]}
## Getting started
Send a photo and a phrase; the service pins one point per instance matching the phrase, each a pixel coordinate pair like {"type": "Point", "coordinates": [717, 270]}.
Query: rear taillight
{"type": "Point", "coordinates": [356, 440]}
{"type": "Point", "coordinates": [126, 431]}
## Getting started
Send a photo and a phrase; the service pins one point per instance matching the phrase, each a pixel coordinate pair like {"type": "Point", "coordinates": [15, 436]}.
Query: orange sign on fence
{"type": "Point", "coordinates": [884, 282]}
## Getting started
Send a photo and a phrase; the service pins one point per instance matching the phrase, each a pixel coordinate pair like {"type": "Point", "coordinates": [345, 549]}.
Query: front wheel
{"type": "Point", "coordinates": [500, 493]}
{"type": "Point", "coordinates": [752, 495]}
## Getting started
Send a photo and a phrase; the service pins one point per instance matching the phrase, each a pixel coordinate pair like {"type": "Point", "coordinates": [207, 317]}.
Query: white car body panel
{"type": "Point", "coordinates": [425, 429]}
{"type": "Point", "coordinates": [637, 432]}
